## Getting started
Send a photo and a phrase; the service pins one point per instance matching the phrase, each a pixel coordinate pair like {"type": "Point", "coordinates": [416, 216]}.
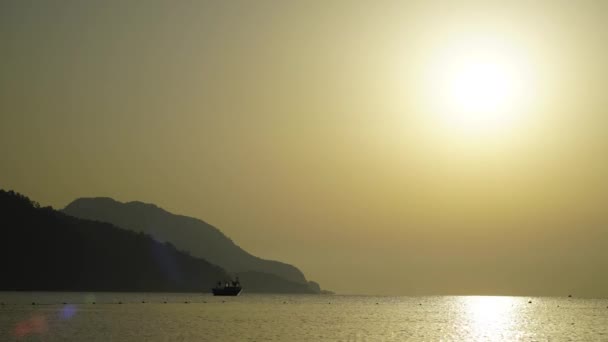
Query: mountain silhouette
{"type": "Point", "coordinates": [197, 238]}
{"type": "Point", "coordinates": [44, 249]}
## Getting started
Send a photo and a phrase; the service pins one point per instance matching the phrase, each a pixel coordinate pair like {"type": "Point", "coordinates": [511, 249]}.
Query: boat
{"type": "Point", "coordinates": [227, 291]}
{"type": "Point", "coordinates": [230, 288]}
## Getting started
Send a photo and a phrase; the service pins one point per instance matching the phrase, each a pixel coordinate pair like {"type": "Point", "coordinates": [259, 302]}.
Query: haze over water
{"type": "Point", "coordinates": [457, 146]}
{"type": "Point", "coordinates": [298, 318]}
{"type": "Point", "coordinates": [422, 150]}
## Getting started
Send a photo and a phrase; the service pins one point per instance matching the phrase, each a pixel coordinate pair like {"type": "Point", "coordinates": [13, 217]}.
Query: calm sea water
{"type": "Point", "coordinates": [194, 317]}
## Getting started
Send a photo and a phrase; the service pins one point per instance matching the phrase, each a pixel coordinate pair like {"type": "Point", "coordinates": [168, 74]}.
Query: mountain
{"type": "Point", "coordinates": [190, 234]}
{"type": "Point", "coordinates": [44, 249]}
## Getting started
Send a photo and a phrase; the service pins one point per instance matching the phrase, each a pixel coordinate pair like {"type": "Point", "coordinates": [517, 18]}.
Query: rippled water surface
{"type": "Point", "coordinates": [193, 317]}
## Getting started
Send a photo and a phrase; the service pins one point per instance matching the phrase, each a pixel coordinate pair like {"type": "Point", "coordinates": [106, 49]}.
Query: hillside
{"type": "Point", "coordinates": [44, 249]}
{"type": "Point", "coordinates": [189, 234]}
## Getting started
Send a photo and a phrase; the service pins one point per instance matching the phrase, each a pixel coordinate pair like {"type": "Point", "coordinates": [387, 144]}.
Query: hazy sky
{"type": "Point", "coordinates": [309, 131]}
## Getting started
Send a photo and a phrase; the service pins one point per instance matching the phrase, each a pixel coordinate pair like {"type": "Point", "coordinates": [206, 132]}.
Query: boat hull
{"type": "Point", "coordinates": [226, 291]}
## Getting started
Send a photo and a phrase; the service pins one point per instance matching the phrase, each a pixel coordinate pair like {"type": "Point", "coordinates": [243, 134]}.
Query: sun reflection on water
{"type": "Point", "coordinates": [491, 318]}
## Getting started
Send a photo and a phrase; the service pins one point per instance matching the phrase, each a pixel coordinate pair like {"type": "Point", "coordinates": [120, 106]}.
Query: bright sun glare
{"type": "Point", "coordinates": [491, 318]}
{"type": "Point", "coordinates": [479, 87]}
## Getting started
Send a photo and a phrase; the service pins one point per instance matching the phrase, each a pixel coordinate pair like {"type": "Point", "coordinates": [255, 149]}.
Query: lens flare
{"type": "Point", "coordinates": [68, 311]}
{"type": "Point", "coordinates": [35, 325]}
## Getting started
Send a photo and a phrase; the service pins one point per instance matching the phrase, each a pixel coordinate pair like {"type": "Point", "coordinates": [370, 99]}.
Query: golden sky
{"type": "Point", "coordinates": [393, 147]}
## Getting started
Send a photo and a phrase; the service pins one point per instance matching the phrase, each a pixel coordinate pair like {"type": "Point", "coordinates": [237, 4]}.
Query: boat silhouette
{"type": "Point", "coordinates": [230, 288]}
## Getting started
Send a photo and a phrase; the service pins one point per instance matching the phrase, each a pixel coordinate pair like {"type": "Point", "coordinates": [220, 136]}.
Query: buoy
{"type": "Point", "coordinates": [143, 302]}
{"type": "Point", "coordinates": [186, 302]}
{"type": "Point", "coordinates": [529, 302]}
{"type": "Point", "coordinates": [93, 302]}
{"type": "Point", "coordinates": [165, 302]}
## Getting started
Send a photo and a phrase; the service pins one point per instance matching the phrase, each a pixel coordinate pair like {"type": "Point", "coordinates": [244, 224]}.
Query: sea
{"type": "Point", "coordinates": [26, 316]}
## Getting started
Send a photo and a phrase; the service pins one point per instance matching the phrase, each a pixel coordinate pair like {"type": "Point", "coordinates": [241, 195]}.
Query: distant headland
{"type": "Point", "coordinates": [98, 244]}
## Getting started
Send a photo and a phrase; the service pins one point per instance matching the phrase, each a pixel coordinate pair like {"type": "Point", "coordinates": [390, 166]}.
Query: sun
{"type": "Point", "coordinates": [480, 91]}
{"type": "Point", "coordinates": [478, 87]}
